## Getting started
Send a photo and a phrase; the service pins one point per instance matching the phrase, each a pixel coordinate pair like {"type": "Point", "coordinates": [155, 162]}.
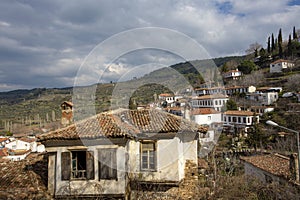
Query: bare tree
{"type": "Point", "coordinates": [253, 48]}
{"type": "Point", "coordinates": [293, 83]}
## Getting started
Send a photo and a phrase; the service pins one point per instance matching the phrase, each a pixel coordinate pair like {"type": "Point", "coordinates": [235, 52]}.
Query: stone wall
{"type": "Point", "coordinates": [189, 187]}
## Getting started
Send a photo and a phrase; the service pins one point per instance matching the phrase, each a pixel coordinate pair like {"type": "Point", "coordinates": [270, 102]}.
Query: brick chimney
{"type": "Point", "coordinates": [294, 167]}
{"type": "Point", "coordinates": [66, 113]}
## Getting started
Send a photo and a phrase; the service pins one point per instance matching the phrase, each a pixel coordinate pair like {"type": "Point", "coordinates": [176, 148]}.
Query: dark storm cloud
{"type": "Point", "coordinates": [43, 43]}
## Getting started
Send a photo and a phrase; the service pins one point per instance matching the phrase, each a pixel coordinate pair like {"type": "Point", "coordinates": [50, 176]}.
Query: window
{"type": "Point", "coordinates": [208, 118]}
{"type": "Point", "coordinates": [233, 119]}
{"type": "Point", "coordinates": [77, 165]}
{"type": "Point", "coordinates": [107, 163]}
{"type": "Point", "coordinates": [148, 156]}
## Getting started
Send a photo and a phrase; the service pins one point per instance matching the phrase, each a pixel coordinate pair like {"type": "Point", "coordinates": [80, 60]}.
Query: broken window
{"type": "Point", "coordinates": [77, 165]}
{"type": "Point", "coordinates": [148, 156]}
{"type": "Point", "coordinates": [107, 159]}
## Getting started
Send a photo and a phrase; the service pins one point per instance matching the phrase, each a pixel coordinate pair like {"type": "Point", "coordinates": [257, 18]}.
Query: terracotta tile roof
{"type": "Point", "coordinates": [210, 88]}
{"type": "Point", "coordinates": [204, 111]}
{"type": "Point", "coordinates": [68, 103]}
{"type": "Point", "coordinates": [123, 124]}
{"type": "Point", "coordinates": [236, 87]}
{"type": "Point", "coordinates": [230, 71]}
{"type": "Point", "coordinates": [239, 113]}
{"type": "Point", "coordinates": [3, 152]}
{"type": "Point", "coordinates": [3, 139]}
{"type": "Point", "coordinates": [27, 139]}
{"type": "Point", "coordinates": [18, 152]}
{"type": "Point", "coordinates": [166, 95]}
{"type": "Point", "coordinates": [279, 61]}
{"type": "Point", "coordinates": [173, 108]}
{"type": "Point", "coordinates": [26, 179]}
{"type": "Point", "coordinates": [272, 163]}
{"type": "Point", "coordinates": [214, 96]}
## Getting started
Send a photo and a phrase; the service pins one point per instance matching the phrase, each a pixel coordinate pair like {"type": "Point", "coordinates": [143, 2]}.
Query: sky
{"type": "Point", "coordinates": [45, 43]}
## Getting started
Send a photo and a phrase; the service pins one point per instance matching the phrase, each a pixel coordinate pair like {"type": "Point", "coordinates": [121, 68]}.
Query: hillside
{"type": "Point", "coordinates": [41, 106]}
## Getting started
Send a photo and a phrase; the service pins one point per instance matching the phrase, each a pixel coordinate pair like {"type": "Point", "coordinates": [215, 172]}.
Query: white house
{"type": "Point", "coordinates": [260, 110]}
{"type": "Point", "coordinates": [17, 155]}
{"type": "Point", "coordinates": [4, 141]}
{"type": "Point", "coordinates": [169, 98]}
{"type": "Point", "coordinates": [206, 116]}
{"type": "Point", "coordinates": [232, 74]}
{"type": "Point", "coordinates": [22, 144]}
{"type": "Point", "coordinates": [240, 119]}
{"type": "Point", "coordinates": [263, 98]}
{"type": "Point", "coordinates": [105, 155]}
{"type": "Point", "coordinates": [240, 89]}
{"type": "Point", "coordinates": [280, 65]}
{"type": "Point", "coordinates": [216, 101]}
{"type": "Point", "coordinates": [209, 91]}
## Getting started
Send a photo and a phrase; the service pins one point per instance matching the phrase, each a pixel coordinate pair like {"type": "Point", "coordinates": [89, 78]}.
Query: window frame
{"type": "Point", "coordinates": [154, 152]}
{"type": "Point", "coordinates": [67, 165]}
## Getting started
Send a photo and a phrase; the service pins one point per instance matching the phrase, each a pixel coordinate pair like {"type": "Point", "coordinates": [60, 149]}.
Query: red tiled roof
{"type": "Point", "coordinates": [233, 70]}
{"type": "Point", "coordinates": [123, 123]}
{"type": "Point", "coordinates": [214, 96]}
{"type": "Point", "coordinates": [239, 113]}
{"type": "Point", "coordinates": [3, 139]}
{"type": "Point", "coordinates": [204, 111]}
{"type": "Point", "coordinates": [68, 103]}
{"type": "Point", "coordinates": [18, 152]}
{"type": "Point", "coordinates": [237, 87]}
{"type": "Point", "coordinates": [27, 139]}
{"type": "Point", "coordinates": [272, 163]}
{"type": "Point", "coordinates": [166, 95]}
{"type": "Point", "coordinates": [210, 88]}
{"type": "Point", "coordinates": [279, 61]}
{"type": "Point", "coordinates": [26, 179]}
{"type": "Point", "coordinates": [3, 152]}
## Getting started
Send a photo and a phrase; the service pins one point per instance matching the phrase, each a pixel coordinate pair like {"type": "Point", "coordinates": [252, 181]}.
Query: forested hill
{"type": "Point", "coordinates": [42, 103]}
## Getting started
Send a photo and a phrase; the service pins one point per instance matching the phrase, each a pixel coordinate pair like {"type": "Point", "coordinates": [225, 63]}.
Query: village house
{"type": "Point", "coordinates": [216, 101]}
{"type": "Point", "coordinates": [234, 90]}
{"type": "Point", "coordinates": [264, 96]}
{"type": "Point", "coordinates": [206, 116]}
{"type": "Point", "coordinates": [169, 98]}
{"type": "Point", "coordinates": [232, 75]}
{"type": "Point", "coordinates": [272, 168]}
{"type": "Point", "coordinates": [241, 120]}
{"type": "Point", "coordinates": [109, 154]}
{"type": "Point", "coordinates": [209, 91]}
{"type": "Point", "coordinates": [279, 65]}
{"type": "Point", "coordinates": [260, 110]}
{"type": "Point", "coordinates": [4, 141]}
{"type": "Point", "coordinates": [18, 149]}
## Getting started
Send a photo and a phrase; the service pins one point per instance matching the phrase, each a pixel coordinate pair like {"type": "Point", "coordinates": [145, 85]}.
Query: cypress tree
{"type": "Point", "coordinates": [273, 43]}
{"type": "Point", "coordinates": [269, 45]}
{"type": "Point", "coordinates": [279, 37]}
{"type": "Point", "coordinates": [290, 45]}
{"type": "Point", "coordinates": [280, 44]}
{"type": "Point", "coordinates": [295, 36]}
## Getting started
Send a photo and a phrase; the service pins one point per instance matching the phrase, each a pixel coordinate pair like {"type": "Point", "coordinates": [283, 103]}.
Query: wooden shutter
{"type": "Point", "coordinates": [65, 166]}
{"type": "Point", "coordinates": [107, 164]}
{"type": "Point", "coordinates": [90, 165]}
{"type": "Point", "coordinates": [113, 156]}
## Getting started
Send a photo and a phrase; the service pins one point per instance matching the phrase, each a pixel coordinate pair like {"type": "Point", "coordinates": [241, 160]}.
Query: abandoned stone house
{"type": "Point", "coordinates": [104, 155]}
